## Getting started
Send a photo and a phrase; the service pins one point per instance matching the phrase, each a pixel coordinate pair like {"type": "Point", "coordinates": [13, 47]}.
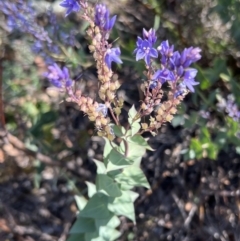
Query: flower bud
{"type": "Point", "coordinates": [91, 48]}
{"type": "Point", "coordinates": [92, 117]}
{"type": "Point", "coordinates": [97, 30]}
{"type": "Point", "coordinates": [112, 86]}
{"type": "Point", "coordinates": [144, 126]}
{"type": "Point", "coordinates": [98, 121]}
{"type": "Point", "coordinates": [144, 106]}
{"type": "Point", "coordinates": [169, 117]}
{"type": "Point", "coordinates": [83, 107]}
{"type": "Point", "coordinates": [173, 110]}
{"type": "Point", "coordinates": [104, 121]}
{"type": "Point", "coordinates": [117, 84]}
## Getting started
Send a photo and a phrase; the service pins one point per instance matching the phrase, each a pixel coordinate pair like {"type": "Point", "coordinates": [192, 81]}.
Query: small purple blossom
{"type": "Point", "coordinates": [145, 50]}
{"type": "Point", "coordinates": [230, 107]}
{"type": "Point", "coordinates": [150, 35]}
{"type": "Point", "coordinates": [181, 90]}
{"type": "Point", "coordinates": [58, 77]}
{"type": "Point", "coordinates": [71, 5]}
{"type": "Point", "coordinates": [112, 55]}
{"type": "Point", "coordinates": [164, 76]}
{"type": "Point", "coordinates": [103, 109]}
{"type": "Point", "coordinates": [188, 78]}
{"type": "Point", "coordinates": [102, 18]}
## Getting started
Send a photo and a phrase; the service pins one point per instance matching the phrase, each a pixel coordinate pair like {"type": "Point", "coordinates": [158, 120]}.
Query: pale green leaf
{"type": "Point", "coordinates": [132, 176]}
{"type": "Point", "coordinates": [122, 206]}
{"type": "Point", "coordinates": [135, 127]}
{"type": "Point", "coordinates": [96, 207]}
{"type": "Point", "coordinates": [112, 221]}
{"type": "Point", "coordinates": [139, 140]}
{"type": "Point", "coordinates": [91, 189]}
{"type": "Point", "coordinates": [81, 201]}
{"type": "Point", "coordinates": [101, 169]}
{"type": "Point", "coordinates": [107, 184]}
{"type": "Point", "coordinates": [117, 161]}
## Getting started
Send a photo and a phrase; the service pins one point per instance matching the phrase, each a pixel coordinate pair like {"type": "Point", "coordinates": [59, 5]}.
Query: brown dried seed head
{"type": "Point", "coordinates": [97, 30]}
{"type": "Point", "coordinates": [144, 126]}
{"type": "Point", "coordinates": [98, 121]}
{"type": "Point", "coordinates": [112, 86]}
{"type": "Point", "coordinates": [144, 106]}
{"type": "Point", "coordinates": [91, 48]}
{"type": "Point", "coordinates": [160, 111]}
{"type": "Point", "coordinates": [92, 117]}
{"type": "Point", "coordinates": [117, 110]}
{"type": "Point", "coordinates": [104, 121]}
{"type": "Point", "coordinates": [89, 100]}
{"type": "Point", "coordinates": [169, 117]}
{"type": "Point", "coordinates": [83, 107]}
{"type": "Point", "coordinates": [159, 117]}
{"type": "Point", "coordinates": [173, 110]}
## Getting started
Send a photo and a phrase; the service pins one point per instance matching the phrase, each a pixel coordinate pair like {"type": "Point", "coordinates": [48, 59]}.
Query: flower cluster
{"type": "Point", "coordinates": [103, 52]}
{"type": "Point", "coordinates": [145, 49]}
{"type": "Point", "coordinates": [102, 18]}
{"type": "Point", "coordinates": [21, 15]}
{"type": "Point", "coordinates": [71, 5]}
{"type": "Point", "coordinates": [174, 70]}
{"type": "Point", "coordinates": [230, 107]}
{"type": "Point", "coordinates": [59, 77]}
{"type": "Point", "coordinates": [175, 66]}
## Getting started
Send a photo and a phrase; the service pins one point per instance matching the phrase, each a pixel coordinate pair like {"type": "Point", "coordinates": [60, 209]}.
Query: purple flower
{"type": "Point", "coordinates": [71, 5]}
{"type": "Point", "coordinates": [37, 47]}
{"type": "Point", "coordinates": [145, 50]}
{"type": "Point", "coordinates": [150, 35]}
{"type": "Point", "coordinates": [112, 55]}
{"type": "Point", "coordinates": [58, 77]}
{"type": "Point", "coordinates": [188, 78]}
{"type": "Point", "coordinates": [102, 18]}
{"type": "Point", "coordinates": [181, 90]}
{"type": "Point", "coordinates": [164, 75]}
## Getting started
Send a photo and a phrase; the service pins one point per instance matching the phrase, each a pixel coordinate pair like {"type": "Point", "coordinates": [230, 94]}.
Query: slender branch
{"type": "Point", "coordinates": [113, 116]}
{"type": "Point", "coordinates": [126, 147]}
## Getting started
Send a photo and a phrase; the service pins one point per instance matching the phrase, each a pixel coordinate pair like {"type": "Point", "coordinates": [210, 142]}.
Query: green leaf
{"type": "Point", "coordinates": [81, 202]}
{"type": "Point", "coordinates": [91, 189]}
{"type": "Point", "coordinates": [96, 207]}
{"type": "Point", "coordinates": [83, 225]}
{"type": "Point", "coordinates": [109, 234]}
{"type": "Point", "coordinates": [133, 195]}
{"type": "Point", "coordinates": [101, 169]}
{"type": "Point", "coordinates": [116, 161]}
{"type": "Point", "coordinates": [107, 184]}
{"type": "Point", "coordinates": [107, 148]}
{"type": "Point", "coordinates": [112, 221]}
{"type": "Point", "coordinates": [139, 140]}
{"type": "Point", "coordinates": [123, 205]}
{"type": "Point", "coordinates": [117, 130]}
{"type": "Point", "coordinates": [132, 176]}
{"type": "Point", "coordinates": [132, 114]}
{"type": "Point", "coordinates": [93, 237]}
{"type": "Point", "coordinates": [135, 127]}
{"type": "Point", "coordinates": [134, 153]}
{"type": "Point", "coordinates": [106, 228]}
{"type": "Point", "coordinates": [76, 237]}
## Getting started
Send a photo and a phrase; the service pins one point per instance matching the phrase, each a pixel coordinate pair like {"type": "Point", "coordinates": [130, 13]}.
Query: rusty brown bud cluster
{"type": "Point", "coordinates": [161, 111]}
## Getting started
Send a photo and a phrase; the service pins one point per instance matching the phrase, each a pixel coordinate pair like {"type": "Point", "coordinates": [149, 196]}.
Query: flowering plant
{"type": "Point", "coordinates": [119, 171]}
